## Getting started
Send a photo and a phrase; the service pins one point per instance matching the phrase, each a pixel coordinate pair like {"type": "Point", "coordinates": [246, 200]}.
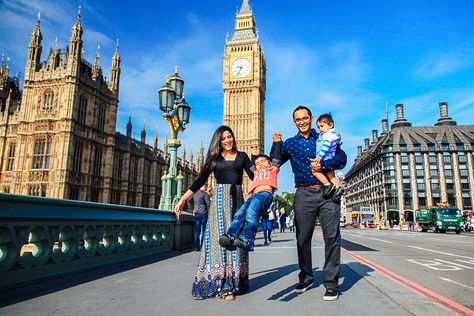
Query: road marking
{"type": "Point", "coordinates": [466, 261]}
{"type": "Point", "coordinates": [455, 241]}
{"type": "Point", "coordinates": [435, 265]}
{"type": "Point", "coordinates": [456, 264]}
{"type": "Point", "coordinates": [431, 296]}
{"type": "Point", "coordinates": [444, 253]}
{"type": "Point", "coordinates": [457, 283]}
{"type": "Point", "coordinates": [352, 235]}
{"type": "Point", "coordinates": [388, 242]}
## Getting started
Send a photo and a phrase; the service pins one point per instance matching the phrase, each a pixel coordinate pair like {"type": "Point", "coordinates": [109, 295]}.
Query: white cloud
{"type": "Point", "coordinates": [423, 110]}
{"type": "Point", "coordinates": [441, 65]}
{"type": "Point", "coordinates": [93, 38]}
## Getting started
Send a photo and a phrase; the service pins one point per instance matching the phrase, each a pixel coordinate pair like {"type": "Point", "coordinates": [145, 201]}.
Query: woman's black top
{"type": "Point", "coordinates": [226, 171]}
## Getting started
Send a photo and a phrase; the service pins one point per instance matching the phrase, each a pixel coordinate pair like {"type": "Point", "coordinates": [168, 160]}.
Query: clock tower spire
{"type": "Point", "coordinates": [244, 83]}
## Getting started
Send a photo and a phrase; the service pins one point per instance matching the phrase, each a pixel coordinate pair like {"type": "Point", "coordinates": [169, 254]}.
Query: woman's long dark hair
{"type": "Point", "coordinates": [215, 149]}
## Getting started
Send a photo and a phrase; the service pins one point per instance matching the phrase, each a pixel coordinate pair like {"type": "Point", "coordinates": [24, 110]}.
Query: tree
{"type": "Point", "coordinates": [285, 201]}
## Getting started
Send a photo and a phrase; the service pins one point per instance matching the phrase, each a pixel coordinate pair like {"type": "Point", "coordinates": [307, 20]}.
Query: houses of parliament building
{"type": "Point", "coordinates": [58, 135]}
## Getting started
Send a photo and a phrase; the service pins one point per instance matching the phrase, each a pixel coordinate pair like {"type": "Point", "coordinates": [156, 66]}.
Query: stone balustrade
{"type": "Point", "coordinates": [42, 238]}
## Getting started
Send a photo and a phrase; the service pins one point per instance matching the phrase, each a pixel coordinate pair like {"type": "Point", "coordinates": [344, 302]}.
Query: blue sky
{"type": "Point", "coordinates": [343, 57]}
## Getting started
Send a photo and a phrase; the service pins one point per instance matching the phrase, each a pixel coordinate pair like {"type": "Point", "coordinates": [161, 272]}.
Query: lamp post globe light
{"type": "Point", "coordinates": [176, 112]}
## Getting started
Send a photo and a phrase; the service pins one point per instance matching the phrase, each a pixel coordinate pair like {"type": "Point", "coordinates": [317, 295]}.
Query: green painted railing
{"type": "Point", "coordinates": [41, 237]}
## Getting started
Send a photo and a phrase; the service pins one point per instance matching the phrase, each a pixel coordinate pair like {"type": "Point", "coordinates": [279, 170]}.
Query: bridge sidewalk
{"type": "Point", "coordinates": [161, 286]}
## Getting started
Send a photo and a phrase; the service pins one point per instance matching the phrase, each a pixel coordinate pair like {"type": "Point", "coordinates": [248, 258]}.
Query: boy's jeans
{"type": "Point", "coordinates": [250, 211]}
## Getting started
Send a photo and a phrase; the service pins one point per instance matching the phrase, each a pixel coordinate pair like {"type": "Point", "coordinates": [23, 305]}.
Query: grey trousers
{"type": "Point", "coordinates": [309, 203]}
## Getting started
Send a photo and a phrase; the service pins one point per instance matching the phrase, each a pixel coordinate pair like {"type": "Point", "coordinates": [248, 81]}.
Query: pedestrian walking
{"type": "Point", "coordinates": [200, 203]}
{"type": "Point", "coordinates": [277, 215]}
{"type": "Point", "coordinates": [282, 221]}
{"type": "Point", "coordinates": [221, 273]}
{"type": "Point", "coordinates": [266, 227]}
{"type": "Point", "coordinates": [309, 203]}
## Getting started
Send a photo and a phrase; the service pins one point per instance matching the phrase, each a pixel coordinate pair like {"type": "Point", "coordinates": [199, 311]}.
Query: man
{"type": "Point", "coordinates": [200, 203]}
{"type": "Point", "coordinates": [309, 203]}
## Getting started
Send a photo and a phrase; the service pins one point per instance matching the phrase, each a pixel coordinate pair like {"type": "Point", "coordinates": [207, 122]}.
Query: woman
{"type": "Point", "coordinates": [221, 273]}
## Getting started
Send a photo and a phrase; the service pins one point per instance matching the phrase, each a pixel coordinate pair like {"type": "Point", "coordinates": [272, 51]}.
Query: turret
{"type": "Point", "coordinates": [183, 157]}
{"type": "Point", "coordinates": [4, 71]}
{"type": "Point", "coordinates": [244, 24]}
{"type": "Point", "coordinates": [34, 51]}
{"type": "Point", "coordinates": [129, 127]}
{"type": "Point", "coordinates": [54, 62]}
{"type": "Point", "coordinates": [75, 45]}
{"type": "Point", "coordinates": [96, 71]}
{"type": "Point", "coordinates": [200, 159]}
{"type": "Point", "coordinates": [143, 139]}
{"type": "Point", "coordinates": [166, 148]}
{"type": "Point", "coordinates": [155, 143]}
{"type": "Point", "coordinates": [115, 71]}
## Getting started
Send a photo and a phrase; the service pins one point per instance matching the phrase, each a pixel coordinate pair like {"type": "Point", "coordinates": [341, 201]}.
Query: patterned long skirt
{"type": "Point", "coordinates": [218, 270]}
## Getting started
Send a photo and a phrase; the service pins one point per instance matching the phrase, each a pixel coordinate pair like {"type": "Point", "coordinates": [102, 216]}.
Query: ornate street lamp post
{"type": "Point", "coordinates": [176, 112]}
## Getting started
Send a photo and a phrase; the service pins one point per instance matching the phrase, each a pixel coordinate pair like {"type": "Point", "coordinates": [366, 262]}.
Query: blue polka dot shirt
{"type": "Point", "coordinates": [299, 150]}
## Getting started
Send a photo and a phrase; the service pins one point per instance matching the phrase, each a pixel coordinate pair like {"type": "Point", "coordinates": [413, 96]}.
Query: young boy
{"type": "Point", "coordinates": [326, 145]}
{"type": "Point", "coordinates": [263, 186]}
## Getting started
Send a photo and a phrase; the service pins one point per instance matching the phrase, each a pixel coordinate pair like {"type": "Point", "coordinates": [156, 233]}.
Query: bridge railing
{"type": "Point", "coordinates": [41, 238]}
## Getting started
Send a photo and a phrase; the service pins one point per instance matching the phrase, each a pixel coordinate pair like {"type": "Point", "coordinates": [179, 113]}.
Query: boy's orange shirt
{"type": "Point", "coordinates": [266, 177]}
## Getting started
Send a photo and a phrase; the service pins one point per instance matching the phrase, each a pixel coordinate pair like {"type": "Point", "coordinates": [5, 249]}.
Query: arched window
{"type": "Point", "coordinates": [81, 117]}
{"type": "Point", "coordinates": [48, 103]}
{"type": "Point", "coordinates": [11, 157]}
{"type": "Point", "coordinates": [42, 154]}
{"type": "Point", "coordinates": [101, 118]}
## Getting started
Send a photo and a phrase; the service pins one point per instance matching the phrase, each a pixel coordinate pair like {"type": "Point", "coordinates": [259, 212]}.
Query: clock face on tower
{"type": "Point", "coordinates": [241, 67]}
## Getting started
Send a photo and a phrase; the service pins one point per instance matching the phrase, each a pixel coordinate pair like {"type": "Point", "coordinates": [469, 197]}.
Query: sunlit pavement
{"type": "Point", "coordinates": [372, 262]}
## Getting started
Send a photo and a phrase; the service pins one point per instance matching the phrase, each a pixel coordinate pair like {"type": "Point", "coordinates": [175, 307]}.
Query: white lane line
{"type": "Point", "coordinates": [444, 253]}
{"type": "Point", "coordinates": [388, 242]}
{"type": "Point", "coordinates": [457, 283]}
{"type": "Point", "coordinates": [456, 264]}
{"type": "Point", "coordinates": [457, 241]}
{"type": "Point", "coordinates": [352, 235]}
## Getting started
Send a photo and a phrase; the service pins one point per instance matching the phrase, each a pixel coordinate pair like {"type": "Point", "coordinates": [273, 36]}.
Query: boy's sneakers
{"type": "Point", "coordinates": [244, 243]}
{"type": "Point", "coordinates": [331, 295]}
{"type": "Point", "coordinates": [227, 241]}
{"type": "Point", "coordinates": [338, 194]}
{"type": "Point", "coordinates": [328, 190]}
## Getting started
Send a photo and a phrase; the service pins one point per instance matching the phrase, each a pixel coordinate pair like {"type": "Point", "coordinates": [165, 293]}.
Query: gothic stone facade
{"type": "Point", "coordinates": [413, 167]}
{"type": "Point", "coordinates": [60, 140]}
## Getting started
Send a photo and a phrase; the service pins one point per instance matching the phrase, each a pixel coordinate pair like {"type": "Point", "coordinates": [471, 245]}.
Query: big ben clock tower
{"type": "Point", "coordinates": [244, 83]}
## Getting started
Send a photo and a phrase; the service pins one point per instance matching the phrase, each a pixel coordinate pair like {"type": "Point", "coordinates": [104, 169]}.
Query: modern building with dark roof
{"type": "Point", "coordinates": [407, 167]}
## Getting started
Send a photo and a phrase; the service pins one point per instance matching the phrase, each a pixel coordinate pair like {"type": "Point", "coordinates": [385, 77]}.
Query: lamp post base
{"type": "Point", "coordinates": [170, 195]}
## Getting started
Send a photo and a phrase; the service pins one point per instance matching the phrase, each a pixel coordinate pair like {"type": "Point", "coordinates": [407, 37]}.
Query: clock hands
{"type": "Point", "coordinates": [240, 69]}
